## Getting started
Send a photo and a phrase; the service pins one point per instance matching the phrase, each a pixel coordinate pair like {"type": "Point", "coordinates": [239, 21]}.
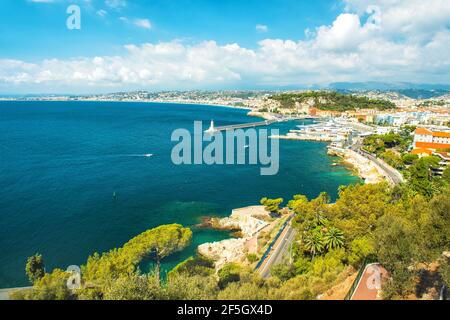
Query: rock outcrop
{"type": "Point", "coordinates": [365, 168]}
{"type": "Point", "coordinates": [250, 221]}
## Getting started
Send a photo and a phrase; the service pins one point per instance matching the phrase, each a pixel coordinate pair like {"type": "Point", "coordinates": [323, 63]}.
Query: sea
{"type": "Point", "coordinates": [83, 177]}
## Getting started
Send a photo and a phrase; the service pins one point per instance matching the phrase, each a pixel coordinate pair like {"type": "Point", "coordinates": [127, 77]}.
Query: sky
{"type": "Point", "coordinates": [219, 44]}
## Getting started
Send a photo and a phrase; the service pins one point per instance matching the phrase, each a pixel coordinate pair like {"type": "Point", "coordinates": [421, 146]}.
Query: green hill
{"type": "Point", "coordinates": [332, 101]}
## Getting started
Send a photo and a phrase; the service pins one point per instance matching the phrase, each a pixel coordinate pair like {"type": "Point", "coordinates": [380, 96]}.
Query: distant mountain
{"type": "Point", "coordinates": [412, 90]}
{"type": "Point", "coordinates": [386, 86]}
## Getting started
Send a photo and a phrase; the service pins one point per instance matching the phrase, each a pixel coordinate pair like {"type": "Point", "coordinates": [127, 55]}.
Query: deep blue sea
{"type": "Point", "coordinates": [61, 163]}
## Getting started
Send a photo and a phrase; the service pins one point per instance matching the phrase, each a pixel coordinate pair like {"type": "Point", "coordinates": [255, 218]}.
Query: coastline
{"type": "Point", "coordinates": [362, 167]}
{"type": "Point", "coordinates": [251, 222]}
{"type": "Point", "coordinates": [115, 101]}
{"type": "Point", "coordinates": [133, 101]}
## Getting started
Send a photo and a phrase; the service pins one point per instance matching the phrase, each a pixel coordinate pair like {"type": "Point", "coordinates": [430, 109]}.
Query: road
{"type": "Point", "coordinates": [280, 250]}
{"type": "Point", "coordinates": [393, 175]}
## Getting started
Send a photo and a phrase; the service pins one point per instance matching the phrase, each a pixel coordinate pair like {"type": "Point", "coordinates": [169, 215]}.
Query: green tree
{"type": "Point", "coordinates": [155, 244]}
{"type": "Point", "coordinates": [396, 246]}
{"type": "Point", "coordinates": [313, 242]}
{"type": "Point", "coordinates": [229, 273]}
{"type": "Point", "coordinates": [391, 140]}
{"type": "Point", "coordinates": [272, 205]}
{"type": "Point", "coordinates": [421, 176]}
{"type": "Point", "coordinates": [52, 286]}
{"type": "Point", "coordinates": [252, 258]}
{"type": "Point", "coordinates": [360, 249]}
{"type": "Point", "coordinates": [135, 287]}
{"type": "Point", "coordinates": [333, 238]}
{"type": "Point", "coordinates": [195, 287]}
{"type": "Point", "coordinates": [283, 271]}
{"type": "Point", "coordinates": [393, 159]}
{"type": "Point", "coordinates": [166, 240]}
{"type": "Point", "coordinates": [446, 175]}
{"type": "Point", "coordinates": [35, 268]}
{"type": "Point", "coordinates": [409, 158]}
{"type": "Point", "coordinates": [359, 207]}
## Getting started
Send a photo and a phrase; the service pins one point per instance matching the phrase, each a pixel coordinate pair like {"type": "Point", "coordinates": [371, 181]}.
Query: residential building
{"type": "Point", "coordinates": [427, 141]}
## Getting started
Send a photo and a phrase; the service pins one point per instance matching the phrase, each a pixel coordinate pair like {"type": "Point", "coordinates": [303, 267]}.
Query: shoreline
{"type": "Point", "coordinates": [360, 166]}
{"type": "Point", "coordinates": [135, 101]}
{"type": "Point", "coordinates": [248, 223]}
{"type": "Point", "coordinates": [255, 114]}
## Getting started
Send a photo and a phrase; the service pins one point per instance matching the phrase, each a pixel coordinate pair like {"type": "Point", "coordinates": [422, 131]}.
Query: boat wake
{"type": "Point", "coordinates": [147, 155]}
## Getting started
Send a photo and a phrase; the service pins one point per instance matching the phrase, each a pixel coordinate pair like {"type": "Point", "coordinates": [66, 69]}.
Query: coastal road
{"type": "Point", "coordinates": [393, 175]}
{"type": "Point", "coordinates": [280, 250]}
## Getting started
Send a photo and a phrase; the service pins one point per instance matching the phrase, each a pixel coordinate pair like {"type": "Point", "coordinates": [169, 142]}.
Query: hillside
{"type": "Point", "coordinates": [331, 101]}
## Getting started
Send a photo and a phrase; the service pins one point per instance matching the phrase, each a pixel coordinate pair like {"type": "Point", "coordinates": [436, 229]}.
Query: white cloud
{"type": "Point", "coordinates": [364, 43]}
{"type": "Point", "coordinates": [116, 4]}
{"type": "Point", "coordinates": [261, 28]}
{"type": "Point", "coordinates": [143, 23]}
{"type": "Point", "coordinates": [102, 13]}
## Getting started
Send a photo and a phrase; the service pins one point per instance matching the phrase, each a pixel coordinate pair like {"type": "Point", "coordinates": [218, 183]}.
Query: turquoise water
{"type": "Point", "coordinates": [61, 163]}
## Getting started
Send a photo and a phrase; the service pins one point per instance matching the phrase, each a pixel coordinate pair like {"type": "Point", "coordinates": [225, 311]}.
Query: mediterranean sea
{"type": "Point", "coordinates": [84, 177]}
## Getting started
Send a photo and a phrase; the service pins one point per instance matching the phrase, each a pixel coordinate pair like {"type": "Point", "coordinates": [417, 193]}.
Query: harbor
{"type": "Point", "coordinates": [339, 132]}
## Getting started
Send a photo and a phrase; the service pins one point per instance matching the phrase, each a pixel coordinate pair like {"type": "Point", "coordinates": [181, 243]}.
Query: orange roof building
{"type": "Point", "coordinates": [422, 152]}
{"type": "Point", "coordinates": [430, 140]}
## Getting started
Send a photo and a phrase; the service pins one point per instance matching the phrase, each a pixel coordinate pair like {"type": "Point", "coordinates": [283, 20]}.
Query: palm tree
{"type": "Point", "coordinates": [320, 221]}
{"type": "Point", "coordinates": [334, 238]}
{"type": "Point", "coordinates": [313, 242]}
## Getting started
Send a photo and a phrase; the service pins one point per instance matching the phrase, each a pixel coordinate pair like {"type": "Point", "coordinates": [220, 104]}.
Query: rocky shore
{"type": "Point", "coordinates": [249, 221]}
{"type": "Point", "coordinates": [365, 168]}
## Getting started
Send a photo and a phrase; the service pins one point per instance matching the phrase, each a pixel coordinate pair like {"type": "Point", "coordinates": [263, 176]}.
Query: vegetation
{"type": "Point", "coordinates": [228, 274]}
{"type": "Point", "coordinates": [332, 101]}
{"type": "Point", "coordinates": [35, 268]}
{"type": "Point", "coordinates": [402, 228]}
{"type": "Point", "coordinates": [272, 205]}
{"type": "Point", "coordinates": [406, 228]}
{"type": "Point", "coordinates": [393, 149]}
{"type": "Point", "coordinates": [395, 143]}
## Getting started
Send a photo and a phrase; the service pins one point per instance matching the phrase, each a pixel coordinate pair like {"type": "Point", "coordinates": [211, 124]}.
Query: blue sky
{"type": "Point", "coordinates": [36, 29]}
{"type": "Point", "coordinates": [211, 44]}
